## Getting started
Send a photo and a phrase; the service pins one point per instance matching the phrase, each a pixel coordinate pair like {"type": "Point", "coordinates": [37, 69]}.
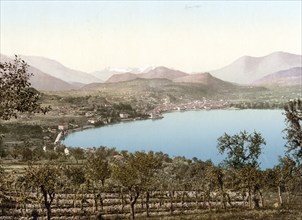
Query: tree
{"type": "Point", "coordinates": [16, 95]}
{"type": "Point", "coordinates": [293, 113]}
{"type": "Point", "coordinates": [78, 153]}
{"type": "Point", "coordinates": [47, 178]}
{"type": "Point", "coordinates": [7, 200]}
{"type": "Point", "coordinates": [135, 173]}
{"type": "Point", "coordinates": [97, 170]}
{"type": "Point", "coordinates": [198, 176]}
{"type": "Point", "coordinates": [287, 176]}
{"type": "Point", "coordinates": [75, 180]}
{"type": "Point", "coordinates": [216, 176]}
{"type": "Point", "coordinates": [3, 152]}
{"type": "Point", "coordinates": [2, 184]}
{"type": "Point", "coordinates": [147, 165]}
{"type": "Point", "coordinates": [243, 151]}
{"type": "Point", "coordinates": [172, 177]}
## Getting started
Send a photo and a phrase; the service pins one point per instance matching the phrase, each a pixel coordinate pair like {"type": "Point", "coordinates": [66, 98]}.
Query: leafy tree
{"type": "Point", "coordinates": [76, 179]}
{"type": "Point", "coordinates": [7, 200]}
{"type": "Point", "coordinates": [15, 151]}
{"type": "Point", "coordinates": [287, 177]}
{"type": "Point", "coordinates": [3, 152]}
{"type": "Point", "coordinates": [135, 174]}
{"type": "Point", "coordinates": [97, 170]}
{"type": "Point", "coordinates": [78, 153]}
{"type": "Point", "coordinates": [172, 177]}
{"type": "Point", "coordinates": [197, 174]}
{"type": "Point", "coordinates": [242, 149]}
{"type": "Point", "coordinates": [27, 154]}
{"type": "Point", "coordinates": [38, 153]}
{"type": "Point", "coordinates": [217, 177]}
{"type": "Point", "coordinates": [293, 113]}
{"type": "Point", "coordinates": [75, 174]}
{"type": "Point", "coordinates": [47, 179]}
{"type": "Point", "coordinates": [147, 165]}
{"type": "Point", "coordinates": [2, 183]}
{"type": "Point", "coordinates": [16, 95]}
{"type": "Point", "coordinates": [250, 181]}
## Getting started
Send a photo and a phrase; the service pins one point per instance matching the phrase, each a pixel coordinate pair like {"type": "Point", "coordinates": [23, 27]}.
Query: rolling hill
{"type": "Point", "coordinates": [178, 90]}
{"type": "Point", "coordinates": [154, 73]}
{"type": "Point", "coordinates": [106, 73]}
{"type": "Point", "coordinates": [162, 72]}
{"type": "Point", "coordinates": [289, 77]}
{"type": "Point", "coordinates": [203, 78]}
{"type": "Point", "coordinates": [122, 77]}
{"type": "Point", "coordinates": [247, 69]}
{"type": "Point", "coordinates": [43, 81]}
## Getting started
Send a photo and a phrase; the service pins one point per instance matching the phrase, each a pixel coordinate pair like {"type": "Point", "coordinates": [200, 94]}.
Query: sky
{"type": "Point", "coordinates": [192, 36]}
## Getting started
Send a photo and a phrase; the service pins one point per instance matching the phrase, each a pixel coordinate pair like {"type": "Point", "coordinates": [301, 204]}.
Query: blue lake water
{"type": "Point", "coordinates": [190, 134]}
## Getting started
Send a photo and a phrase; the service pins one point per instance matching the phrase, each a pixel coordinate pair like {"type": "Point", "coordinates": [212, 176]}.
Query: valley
{"type": "Point", "coordinates": [37, 139]}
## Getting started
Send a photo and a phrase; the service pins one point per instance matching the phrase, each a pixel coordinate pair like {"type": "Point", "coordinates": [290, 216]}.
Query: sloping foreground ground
{"type": "Point", "coordinates": [114, 205]}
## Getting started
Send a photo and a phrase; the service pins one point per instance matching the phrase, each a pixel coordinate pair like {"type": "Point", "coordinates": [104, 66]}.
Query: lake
{"type": "Point", "coordinates": [190, 134]}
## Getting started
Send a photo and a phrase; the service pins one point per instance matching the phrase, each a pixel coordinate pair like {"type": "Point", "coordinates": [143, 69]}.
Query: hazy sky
{"type": "Point", "coordinates": [192, 36]}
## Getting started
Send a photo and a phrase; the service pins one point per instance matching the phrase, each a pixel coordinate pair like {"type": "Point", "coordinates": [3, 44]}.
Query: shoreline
{"type": "Point", "coordinates": [70, 131]}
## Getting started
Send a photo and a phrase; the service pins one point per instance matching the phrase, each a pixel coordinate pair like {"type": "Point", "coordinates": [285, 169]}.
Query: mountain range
{"type": "Point", "coordinates": [247, 69]}
{"type": "Point", "coordinates": [60, 71]}
{"type": "Point", "coordinates": [106, 73]}
{"type": "Point", "coordinates": [289, 77]}
{"type": "Point", "coordinates": [278, 68]}
{"type": "Point", "coordinates": [43, 81]}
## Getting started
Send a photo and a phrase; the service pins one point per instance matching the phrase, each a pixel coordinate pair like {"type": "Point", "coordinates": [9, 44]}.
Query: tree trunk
{"type": "Point", "coordinates": [147, 203]}
{"type": "Point", "coordinates": [243, 198]}
{"type": "Point", "coordinates": [122, 200]}
{"type": "Point", "coordinates": [288, 196]}
{"type": "Point", "coordinates": [256, 200]}
{"type": "Point", "coordinates": [261, 198]}
{"type": "Point", "coordinates": [208, 197]}
{"type": "Point", "coordinates": [280, 196]}
{"type": "Point", "coordinates": [95, 198]}
{"type": "Point", "coordinates": [171, 202]}
{"type": "Point", "coordinates": [196, 200]}
{"type": "Point", "coordinates": [250, 198]}
{"type": "Point", "coordinates": [204, 202]}
{"type": "Point", "coordinates": [229, 199]}
{"type": "Point", "coordinates": [101, 202]}
{"type": "Point", "coordinates": [133, 200]}
{"type": "Point", "coordinates": [223, 201]}
{"type": "Point", "coordinates": [46, 202]}
{"type": "Point", "coordinates": [183, 199]}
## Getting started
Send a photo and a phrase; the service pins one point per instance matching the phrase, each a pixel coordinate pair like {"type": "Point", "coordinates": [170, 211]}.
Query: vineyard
{"type": "Point", "coordinates": [114, 206]}
{"type": "Point", "coordinates": [121, 185]}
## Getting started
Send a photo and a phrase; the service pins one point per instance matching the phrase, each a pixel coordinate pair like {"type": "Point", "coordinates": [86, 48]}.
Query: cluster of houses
{"type": "Point", "coordinates": [197, 104]}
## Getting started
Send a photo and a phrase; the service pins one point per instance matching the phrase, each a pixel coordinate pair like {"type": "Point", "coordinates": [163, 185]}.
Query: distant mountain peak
{"type": "Point", "coordinates": [122, 77]}
{"type": "Point", "coordinates": [58, 70]}
{"type": "Point", "coordinates": [203, 78]}
{"type": "Point", "coordinates": [135, 70]}
{"type": "Point", "coordinates": [43, 81]}
{"type": "Point", "coordinates": [288, 77]}
{"type": "Point", "coordinates": [247, 69]}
